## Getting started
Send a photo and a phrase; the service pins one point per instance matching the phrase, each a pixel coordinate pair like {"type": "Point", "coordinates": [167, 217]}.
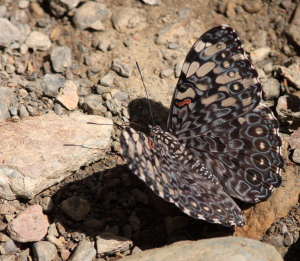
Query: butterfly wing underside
{"type": "Point", "coordinates": [171, 180]}
{"type": "Point", "coordinates": [216, 113]}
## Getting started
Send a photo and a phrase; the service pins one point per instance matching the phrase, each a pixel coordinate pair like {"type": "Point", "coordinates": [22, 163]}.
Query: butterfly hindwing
{"type": "Point", "coordinates": [191, 192]}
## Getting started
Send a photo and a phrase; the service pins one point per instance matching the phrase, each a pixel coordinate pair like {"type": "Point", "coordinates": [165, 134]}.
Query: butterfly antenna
{"type": "Point", "coordinates": [146, 93]}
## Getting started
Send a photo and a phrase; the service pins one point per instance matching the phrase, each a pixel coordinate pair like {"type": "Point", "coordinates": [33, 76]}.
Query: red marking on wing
{"type": "Point", "coordinates": [186, 101]}
{"type": "Point", "coordinates": [151, 144]}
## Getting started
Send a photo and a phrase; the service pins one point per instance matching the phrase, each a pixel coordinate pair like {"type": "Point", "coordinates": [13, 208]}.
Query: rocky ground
{"type": "Point", "coordinates": [66, 194]}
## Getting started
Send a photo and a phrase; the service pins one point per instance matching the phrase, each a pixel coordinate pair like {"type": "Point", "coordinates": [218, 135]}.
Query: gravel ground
{"type": "Point", "coordinates": [45, 44]}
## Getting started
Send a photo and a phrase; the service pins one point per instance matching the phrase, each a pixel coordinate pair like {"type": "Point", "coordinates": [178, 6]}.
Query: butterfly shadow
{"type": "Point", "coordinates": [140, 114]}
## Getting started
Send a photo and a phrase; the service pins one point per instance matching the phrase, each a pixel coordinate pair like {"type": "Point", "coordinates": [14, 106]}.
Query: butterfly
{"type": "Point", "coordinates": [221, 142]}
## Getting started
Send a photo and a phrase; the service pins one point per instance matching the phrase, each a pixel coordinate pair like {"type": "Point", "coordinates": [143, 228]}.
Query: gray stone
{"type": "Point", "coordinates": [109, 244]}
{"type": "Point", "coordinates": [271, 88]}
{"type": "Point", "coordinates": [226, 248]}
{"type": "Point", "coordinates": [58, 109]}
{"type": "Point", "coordinates": [61, 57]}
{"type": "Point", "coordinates": [260, 54]}
{"type": "Point", "coordinates": [60, 7]}
{"type": "Point", "coordinates": [52, 83]}
{"type": "Point", "coordinates": [121, 68]}
{"type": "Point", "coordinates": [107, 80]}
{"type": "Point", "coordinates": [8, 32]}
{"type": "Point", "coordinates": [114, 106]}
{"type": "Point", "coordinates": [8, 97]}
{"type": "Point", "coordinates": [75, 208]}
{"type": "Point", "coordinates": [93, 105]}
{"type": "Point", "coordinates": [288, 239]}
{"type": "Point", "coordinates": [13, 111]}
{"type": "Point", "coordinates": [31, 110]}
{"type": "Point", "coordinates": [291, 73]}
{"type": "Point", "coordinates": [85, 251]}
{"type": "Point", "coordinates": [29, 226]}
{"type": "Point", "coordinates": [44, 250]}
{"type": "Point", "coordinates": [178, 68]}
{"type": "Point", "coordinates": [35, 153]}
{"type": "Point", "coordinates": [166, 73]}
{"type": "Point", "coordinates": [292, 30]}
{"type": "Point", "coordinates": [47, 204]}
{"type": "Point", "coordinates": [38, 41]}
{"type": "Point", "coordinates": [127, 19]}
{"type": "Point", "coordinates": [103, 45]}
{"type": "Point", "coordinates": [91, 15]}
{"type": "Point", "coordinates": [23, 113]}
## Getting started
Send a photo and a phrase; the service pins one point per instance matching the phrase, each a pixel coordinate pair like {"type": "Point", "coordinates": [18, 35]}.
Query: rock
{"type": "Point", "coordinates": [277, 242]}
{"type": "Point", "coordinates": [23, 113]}
{"type": "Point", "coordinates": [128, 20]}
{"type": "Point", "coordinates": [23, 4]}
{"type": "Point", "coordinates": [85, 251]}
{"type": "Point", "coordinates": [56, 241]}
{"type": "Point", "coordinates": [260, 54]}
{"type": "Point", "coordinates": [68, 96]}
{"type": "Point", "coordinates": [152, 2]}
{"type": "Point", "coordinates": [178, 68]}
{"type": "Point", "coordinates": [253, 6]}
{"type": "Point", "coordinates": [11, 246]}
{"type": "Point", "coordinates": [93, 105]}
{"type": "Point", "coordinates": [140, 196]}
{"type": "Point", "coordinates": [60, 7]}
{"type": "Point", "coordinates": [166, 73]}
{"type": "Point", "coordinates": [225, 248]}
{"type": "Point", "coordinates": [174, 224]}
{"type": "Point", "coordinates": [121, 68]}
{"type": "Point", "coordinates": [114, 106]}
{"type": "Point", "coordinates": [292, 30]}
{"type": "Point", "coordinates": [52, 230]}
{"type": "Point", "coordinates": [8, 33]}
{"type": "Point", "coordinates": [291, 73]}
{"type": "Point", "coordinates": [52, 83]}
{"type": "Point", "coordinates": [29, 226]}
{"type": "Point", "coordinates": [61, 57]}
{"type": "Point", "coordinates": [7, 99]}
{"type": "Point", "coordinates": [107, 80]}
{"type": "Point", "coordinates": [44, 251]}
{"type": "Point", "coordinates": [27, 170]}
{"type": "Point", "coordinates": [91, 15]}
{"type": "Point", "coordinates": [134, 222]}
{"type": "Point", "coordinates": [94, 59]}
{"type": "Point", "coordinates": [172, 32]}
{"type": "Point", "coordinates": [271, 89]}
{"type": "Point", "coordinates": [109, 244]}
{"type": "Point", "coordinates": [58, 109]}
{"type": "Point", "coordinates": [75, 208]}
{"type": "Point", "coordinates": [38, 41]}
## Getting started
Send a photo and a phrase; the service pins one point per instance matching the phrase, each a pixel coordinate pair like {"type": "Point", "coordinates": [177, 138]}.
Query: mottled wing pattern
{"type": "Point", "coordinates": [192, 192]}
{"type": "Point", "coordinates": [216, 113]}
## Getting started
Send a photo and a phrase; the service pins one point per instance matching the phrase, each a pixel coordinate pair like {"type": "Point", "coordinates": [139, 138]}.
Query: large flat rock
{"type": "Point", "coordinates": [39, 152]}
{"type": "Point", "coordinates": [225, 249]}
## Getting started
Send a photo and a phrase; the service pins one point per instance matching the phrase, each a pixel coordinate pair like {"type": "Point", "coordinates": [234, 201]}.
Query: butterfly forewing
{"type": "Point", "coordinates": [216, 113]}
{"type": "Point", "coordinates": [221, 141]}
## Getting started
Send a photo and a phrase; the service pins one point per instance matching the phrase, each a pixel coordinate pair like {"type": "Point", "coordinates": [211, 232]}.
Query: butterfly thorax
{"type": "Point", "coordinates": [179, 152]}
